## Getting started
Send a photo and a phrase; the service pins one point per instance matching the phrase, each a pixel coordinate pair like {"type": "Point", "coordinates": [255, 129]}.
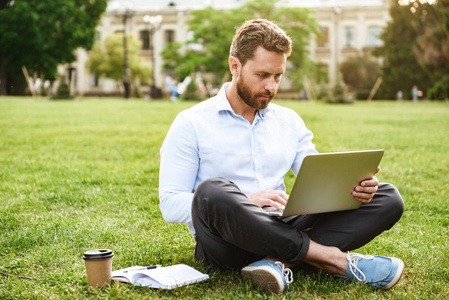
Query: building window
{"type": "Point", "coordinates": [374, 36]}
{"type": "Point", "coordinates": [323, 39]}
{"type": "Point", "coordinates": [349, 37]}
{"type": "Point", "coordinates": [169, 36]}
{"type": "Point", "coordinates": [94, 80]}
{"type": "Point", "coordinates": [145, 39]}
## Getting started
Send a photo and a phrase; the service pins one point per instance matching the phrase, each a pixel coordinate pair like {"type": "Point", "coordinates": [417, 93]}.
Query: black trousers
{"type": "Point", "coordinates": [232, 232]}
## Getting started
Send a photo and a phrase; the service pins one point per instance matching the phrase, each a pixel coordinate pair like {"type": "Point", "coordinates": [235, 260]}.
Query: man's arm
{"type": "Point", "coordinates": [178, 171]}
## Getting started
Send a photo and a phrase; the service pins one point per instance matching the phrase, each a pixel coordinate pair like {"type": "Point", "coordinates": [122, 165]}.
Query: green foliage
{"type": "Point", "coordinates": [107, 59]}
{"type": "Point", "coordinates": [440, 90]}
{"type": "Point", "coordinates": [13, 83]}
{"type": "Point", "coordinates": [183, 65]}
{"type": "Point", "coordinates": [83, 175]}
{"type": "Point", "coordinates": [340, 93]}
{"type": "Point", "coordinates": [409, 40]}
{"type": "Point", "coordinates": [63, 90]}
{"type": "Point", "coordinates": [324, 93]}
{"type": "Point", "coordinates": [43, 34]}
{"type": "Point", "coordinates": [300, 25]}
{"type": "Point", "coordinates": [319, 72]}
{"type": "Point", "coordinates": [191, 92]}
{"type": "Point", "coordinates": [171, 56]}
{"type": "Point", "coordinates": [360, 73]}
{"type": "Point", "coordinates": [214, 30]}
{"type": "Point", "coordinates": [432, 49]}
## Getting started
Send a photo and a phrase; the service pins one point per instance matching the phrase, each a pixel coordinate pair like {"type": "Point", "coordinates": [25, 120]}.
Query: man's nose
{"type": "Point", "coordinates": [271, 84]}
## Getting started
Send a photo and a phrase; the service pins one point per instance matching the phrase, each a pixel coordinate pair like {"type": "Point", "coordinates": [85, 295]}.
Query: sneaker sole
{"type": "Point", "coordinates": [265, 277]}
{"type": "Point", "coordinates": [397, 276]}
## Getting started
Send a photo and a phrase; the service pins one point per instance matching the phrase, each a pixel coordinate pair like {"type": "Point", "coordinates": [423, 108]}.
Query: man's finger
{"type": "Point", "coordinates": [370, 182]}
{"type": "Point", "coordinates": [366, 189]}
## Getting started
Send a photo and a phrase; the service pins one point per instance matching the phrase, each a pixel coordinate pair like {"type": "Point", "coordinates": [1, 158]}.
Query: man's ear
{"type": "Point", "coordinates": [234, 66]}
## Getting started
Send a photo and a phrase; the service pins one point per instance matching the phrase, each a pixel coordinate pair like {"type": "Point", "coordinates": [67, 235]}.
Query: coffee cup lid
{"type": "Point", "coordinates": [98, 254]}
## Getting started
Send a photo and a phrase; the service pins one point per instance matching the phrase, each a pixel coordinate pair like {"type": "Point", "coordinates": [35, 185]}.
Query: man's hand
{"type": "Point", "coordinates": [274, 198]}
{"type": "Point", "coordinates": [366, 190]}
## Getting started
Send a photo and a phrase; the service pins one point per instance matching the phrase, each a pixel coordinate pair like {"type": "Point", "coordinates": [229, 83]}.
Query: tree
{"type": "Point", "coordinates": [432, 49]}
{"type": "Point", "coordinates": [107, 60]}
{"type": "Point", "coordinates": [40, 35]}
{"type": "Point", "coordinates": [401, 70]}
{"type": "Point", "coordinates": [63, 90]}
{"type": "Point", "coordinates": [183, 64]}
{"type": "Point", "coordinates": [360, 73]}
{"type": "Point", "coordinates": [300, 25]}
{"type": "Point", "coordinates": [214, 30]}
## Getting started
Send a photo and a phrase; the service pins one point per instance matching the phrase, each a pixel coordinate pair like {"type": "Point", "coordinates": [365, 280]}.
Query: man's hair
{"type": "Point", "coordinates": [260, 32]}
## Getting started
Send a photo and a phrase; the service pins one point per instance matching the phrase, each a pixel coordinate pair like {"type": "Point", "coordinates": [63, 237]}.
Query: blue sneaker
{"type": "Point", "coordinates": [377, 271]}
{"type": "Point", "coordinates": [269, 275]}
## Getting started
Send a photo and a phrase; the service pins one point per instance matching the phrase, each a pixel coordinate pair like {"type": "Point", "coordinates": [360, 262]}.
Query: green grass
{"type": "Point", "coordinates": [80, 175]}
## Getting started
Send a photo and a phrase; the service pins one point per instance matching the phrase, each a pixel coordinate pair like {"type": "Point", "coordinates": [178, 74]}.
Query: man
{"type": "Point", "coordinates": [225, 158]}
{"type": "Point", "coordinates": [170, 87]}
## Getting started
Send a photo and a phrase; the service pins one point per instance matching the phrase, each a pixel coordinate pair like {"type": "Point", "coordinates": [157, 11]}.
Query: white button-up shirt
{"type": "Point", "coordinates": [210, 140]}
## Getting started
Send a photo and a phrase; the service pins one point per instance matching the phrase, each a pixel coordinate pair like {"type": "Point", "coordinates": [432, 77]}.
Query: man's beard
{"type": "Point", "coordinates": [250, 99]}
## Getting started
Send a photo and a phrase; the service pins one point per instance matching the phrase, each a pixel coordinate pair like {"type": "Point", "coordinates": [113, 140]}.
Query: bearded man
{"type": "Point", "coordinates": [225, 159]}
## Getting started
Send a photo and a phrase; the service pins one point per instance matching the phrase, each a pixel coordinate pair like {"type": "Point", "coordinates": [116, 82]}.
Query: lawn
{"type": "Point", "coordinates": [83, 174]}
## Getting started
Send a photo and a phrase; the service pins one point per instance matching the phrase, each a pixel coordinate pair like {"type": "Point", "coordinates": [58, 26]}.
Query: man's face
{"type": "Point", "coordinates": [259, 78]}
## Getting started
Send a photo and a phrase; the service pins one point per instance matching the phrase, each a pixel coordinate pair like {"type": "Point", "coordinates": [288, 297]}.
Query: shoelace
{"type": "Point", "coordinates": [288, 274]}
{"type": "Point", "coordinates": [353, 259]}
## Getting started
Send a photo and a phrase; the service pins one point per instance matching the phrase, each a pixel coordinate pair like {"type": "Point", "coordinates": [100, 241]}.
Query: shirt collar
{"type": "Point", "coordinates": [223, 102]}
{"type": "Point", "coordinates": [224, 105]}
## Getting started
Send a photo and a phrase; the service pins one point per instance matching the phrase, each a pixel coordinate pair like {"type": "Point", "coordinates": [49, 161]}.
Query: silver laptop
{"type": "Point", "coordinates": [325, 182]}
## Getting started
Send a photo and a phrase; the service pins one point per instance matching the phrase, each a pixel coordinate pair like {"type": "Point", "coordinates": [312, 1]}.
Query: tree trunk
{"type": "Point", "coordinates": [29, 81]}
{"type": "Point", "coordinates": [3, 77]}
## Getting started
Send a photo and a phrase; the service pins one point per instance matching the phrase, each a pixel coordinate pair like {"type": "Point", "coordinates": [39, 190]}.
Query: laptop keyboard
{"type": "Point", "coordinates": [272, 211]}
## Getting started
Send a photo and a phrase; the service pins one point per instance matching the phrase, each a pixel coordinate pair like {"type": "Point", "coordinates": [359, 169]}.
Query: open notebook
{"type": "Point", "coordinates": [159, 277]}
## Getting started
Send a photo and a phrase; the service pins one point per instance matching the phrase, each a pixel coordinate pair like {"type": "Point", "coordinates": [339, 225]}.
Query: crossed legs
{"type": "Point", "coordinates": [232, 232]}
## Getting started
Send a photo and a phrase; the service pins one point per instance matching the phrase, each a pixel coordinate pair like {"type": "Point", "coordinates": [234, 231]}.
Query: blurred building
{"type": "Point", "coordinates": [348, 26]}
